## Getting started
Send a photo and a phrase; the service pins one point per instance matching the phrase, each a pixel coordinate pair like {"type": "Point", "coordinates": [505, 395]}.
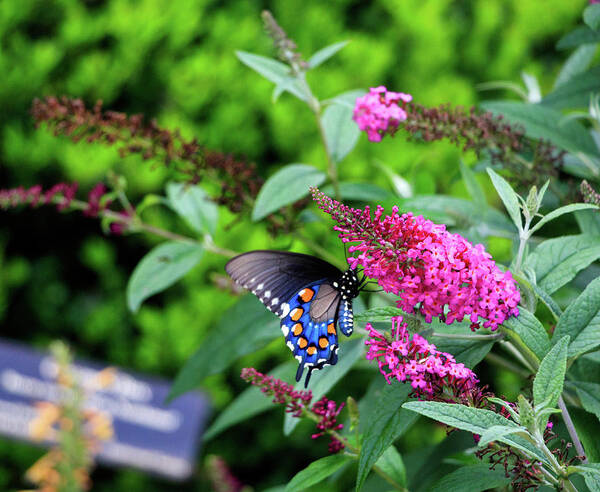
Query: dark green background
{"type": "Point", "coordinates": [174, 61]}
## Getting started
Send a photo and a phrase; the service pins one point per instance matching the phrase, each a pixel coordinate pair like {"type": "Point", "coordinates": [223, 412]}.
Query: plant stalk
{"type": "Point", "coordinates": [571, 428]}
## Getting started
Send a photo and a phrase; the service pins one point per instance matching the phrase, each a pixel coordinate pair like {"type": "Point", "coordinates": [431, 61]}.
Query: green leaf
{"type": "Point", "coordinates": [378, 314]}
{"type": "Point", "coordinates": [249, 403]}
{"type": "Point", "coordinates": [243, 328]}
{"type": "Point", "coordinates": [557, 261]}
{"type": "Point", "coordinates": [473, 186]}
{"type": "Point", "coordinates": [591, 16]}
{"type": "Point", "coordinates": [325, 54]}
{"type": "Point", "coordinates": [474, 420]}
{"type": "Point", "coordinates": [592, 481]}
{"type": "Point", "coordinates": [161, 268]}
{"type": "Point", "coordinates": [472, 478]}
{"type": "Point", "coordinates": [392, 464]}
{"type": "Point", "coordinates": [527, 328]}
{"type": "Point", "coordinates": [325, 379]}
{"type": "Point", "coordinates": [364, 192]}
{"type": "Point", "coordinates": [469, 352]}
{"type": "Point", "coordinates": [508, 196]}
{"type": "Point", "coordinates": [458, 212]}
{"type": "Point", "coordinates": [549, 380]}
{"type": "Point", "coordinates": [286, 186]}
{"type": "Point", "coordinates": [497, 431]}
{"type": "Point", "coordinates": [341, 132]}
{"type": "Point", "coordinates": [387, 423]}
{"type": "Point", "coordinates": [581, 321]}
{"type": "Point", "coordinates": [588, 222]}
{"type": "Point", "coordinates": [194, 206]}
{"type": "Point", "coordinates": [575, 94]}
{"type": "Point", "coordinates": [548, 301]}
{"type": "Point", "coordinates": [272, 70]}
{"type": "Point", "coordinates": [400, 185]}
{"type": "Point", "coordinates": [543, 122]}
{"type": "Point", "coordinates": [316, 472]}
{"type": "Point", "coordinates": [577, 63]}
{"type": "Point", "coordinates": [589, 394]}
{"type": "Point", "coordinates": [578, 36]}
{"type": "Point", "coordinates": [582, 165]}
{"type": "Point", "coordinates": [567, 209]}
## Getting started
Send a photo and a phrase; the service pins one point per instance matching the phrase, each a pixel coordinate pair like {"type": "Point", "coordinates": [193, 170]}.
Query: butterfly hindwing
{"type": "Point", "coordinates": [275, 276]}
{"type": "Point", "coordinates": [312, 340]}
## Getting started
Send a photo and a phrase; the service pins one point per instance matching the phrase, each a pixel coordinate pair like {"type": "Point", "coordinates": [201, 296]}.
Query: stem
{"type": "Point", "coordinates": [517, 347]}
{"type": "Point", "coordinates": [136, 223]}
{"type": "Point", "coordinates": [331, 166]}
{"type": "Point", "coordinates": [125, 202]}
{"type": "Point", "coordinates": [506, 364]}
{"type": "Point", "coordinates": [523, 237]}
{"type": "Point", "coordinates": [571, 429]}
{"type": "Point", "coordinates": [315, 106]}
{"type": "Point", "coordinates": [157, 231]}
{"type": "Point", "coordinates": [468, 336]}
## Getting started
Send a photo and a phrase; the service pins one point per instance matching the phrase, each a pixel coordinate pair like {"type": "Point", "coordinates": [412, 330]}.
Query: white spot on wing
{"type": "Point", "coordinates": [285, 329]}
{"type": "Point", "coordinates": [285, 310]}
{"type": "Point", "coordinates": [267, 294]}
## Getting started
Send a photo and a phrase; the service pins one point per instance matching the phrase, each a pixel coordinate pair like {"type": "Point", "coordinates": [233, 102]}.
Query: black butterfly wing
{"type": "Point", "coordinates": [275, 276]}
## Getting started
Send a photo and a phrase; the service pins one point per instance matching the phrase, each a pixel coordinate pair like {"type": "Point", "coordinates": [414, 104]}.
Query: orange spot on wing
{"type": "Point", "coordinates": [331, 329]}
{"type": "Point", "coordinates": [306, 294]}
{"type": "Point", "coordinates": [323, 342]}
{"type": "Point", "coordinates": [312, 350]}
{"type": "Point", "coordinates": [296, 314]}
{"type": "Point", "coordinates": [302, 342]}
{"type": "Point", "coordinates": [297, 329]}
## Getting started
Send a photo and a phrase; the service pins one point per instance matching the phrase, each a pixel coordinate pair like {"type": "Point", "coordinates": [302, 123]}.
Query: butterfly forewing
{"type": "Point", "coordinates": [275, 276]}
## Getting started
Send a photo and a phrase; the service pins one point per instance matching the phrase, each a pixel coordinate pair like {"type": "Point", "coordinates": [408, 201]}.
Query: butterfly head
{"type": "Point", "coordinates": [348, 284]}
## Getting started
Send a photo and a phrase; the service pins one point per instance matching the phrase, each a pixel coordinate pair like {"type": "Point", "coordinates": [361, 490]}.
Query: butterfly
{"type": "Point", "coordinates": [311, 296]}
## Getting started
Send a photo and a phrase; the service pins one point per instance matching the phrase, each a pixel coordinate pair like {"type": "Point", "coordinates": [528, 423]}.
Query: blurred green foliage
{"type": "Point", "coordinates": [174, 61]}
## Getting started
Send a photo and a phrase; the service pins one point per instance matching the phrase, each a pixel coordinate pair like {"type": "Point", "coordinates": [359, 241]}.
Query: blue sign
{"type": "Point", "coordinates": [148, 434]}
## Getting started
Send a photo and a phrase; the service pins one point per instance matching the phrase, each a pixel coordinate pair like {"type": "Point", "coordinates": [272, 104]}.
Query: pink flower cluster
{"type": "Point", "coordinates": [62, 194]}
{"type": "Point", "coordinates": [437, 273]}
{"type": "Point", "coordinates": [414, 359]}
{"type": "Point", "coordinates": [297, 402]}
{"type": "Point", "coordinates": [282, 392]}
{"type": "Point", "coordinates": [378, 112]}
{"type": "Point", "coordinates": [328, 411]}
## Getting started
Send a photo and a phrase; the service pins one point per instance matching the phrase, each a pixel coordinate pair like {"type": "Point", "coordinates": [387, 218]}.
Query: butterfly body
{"type": "Point", "coordinates": [311, 296]}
